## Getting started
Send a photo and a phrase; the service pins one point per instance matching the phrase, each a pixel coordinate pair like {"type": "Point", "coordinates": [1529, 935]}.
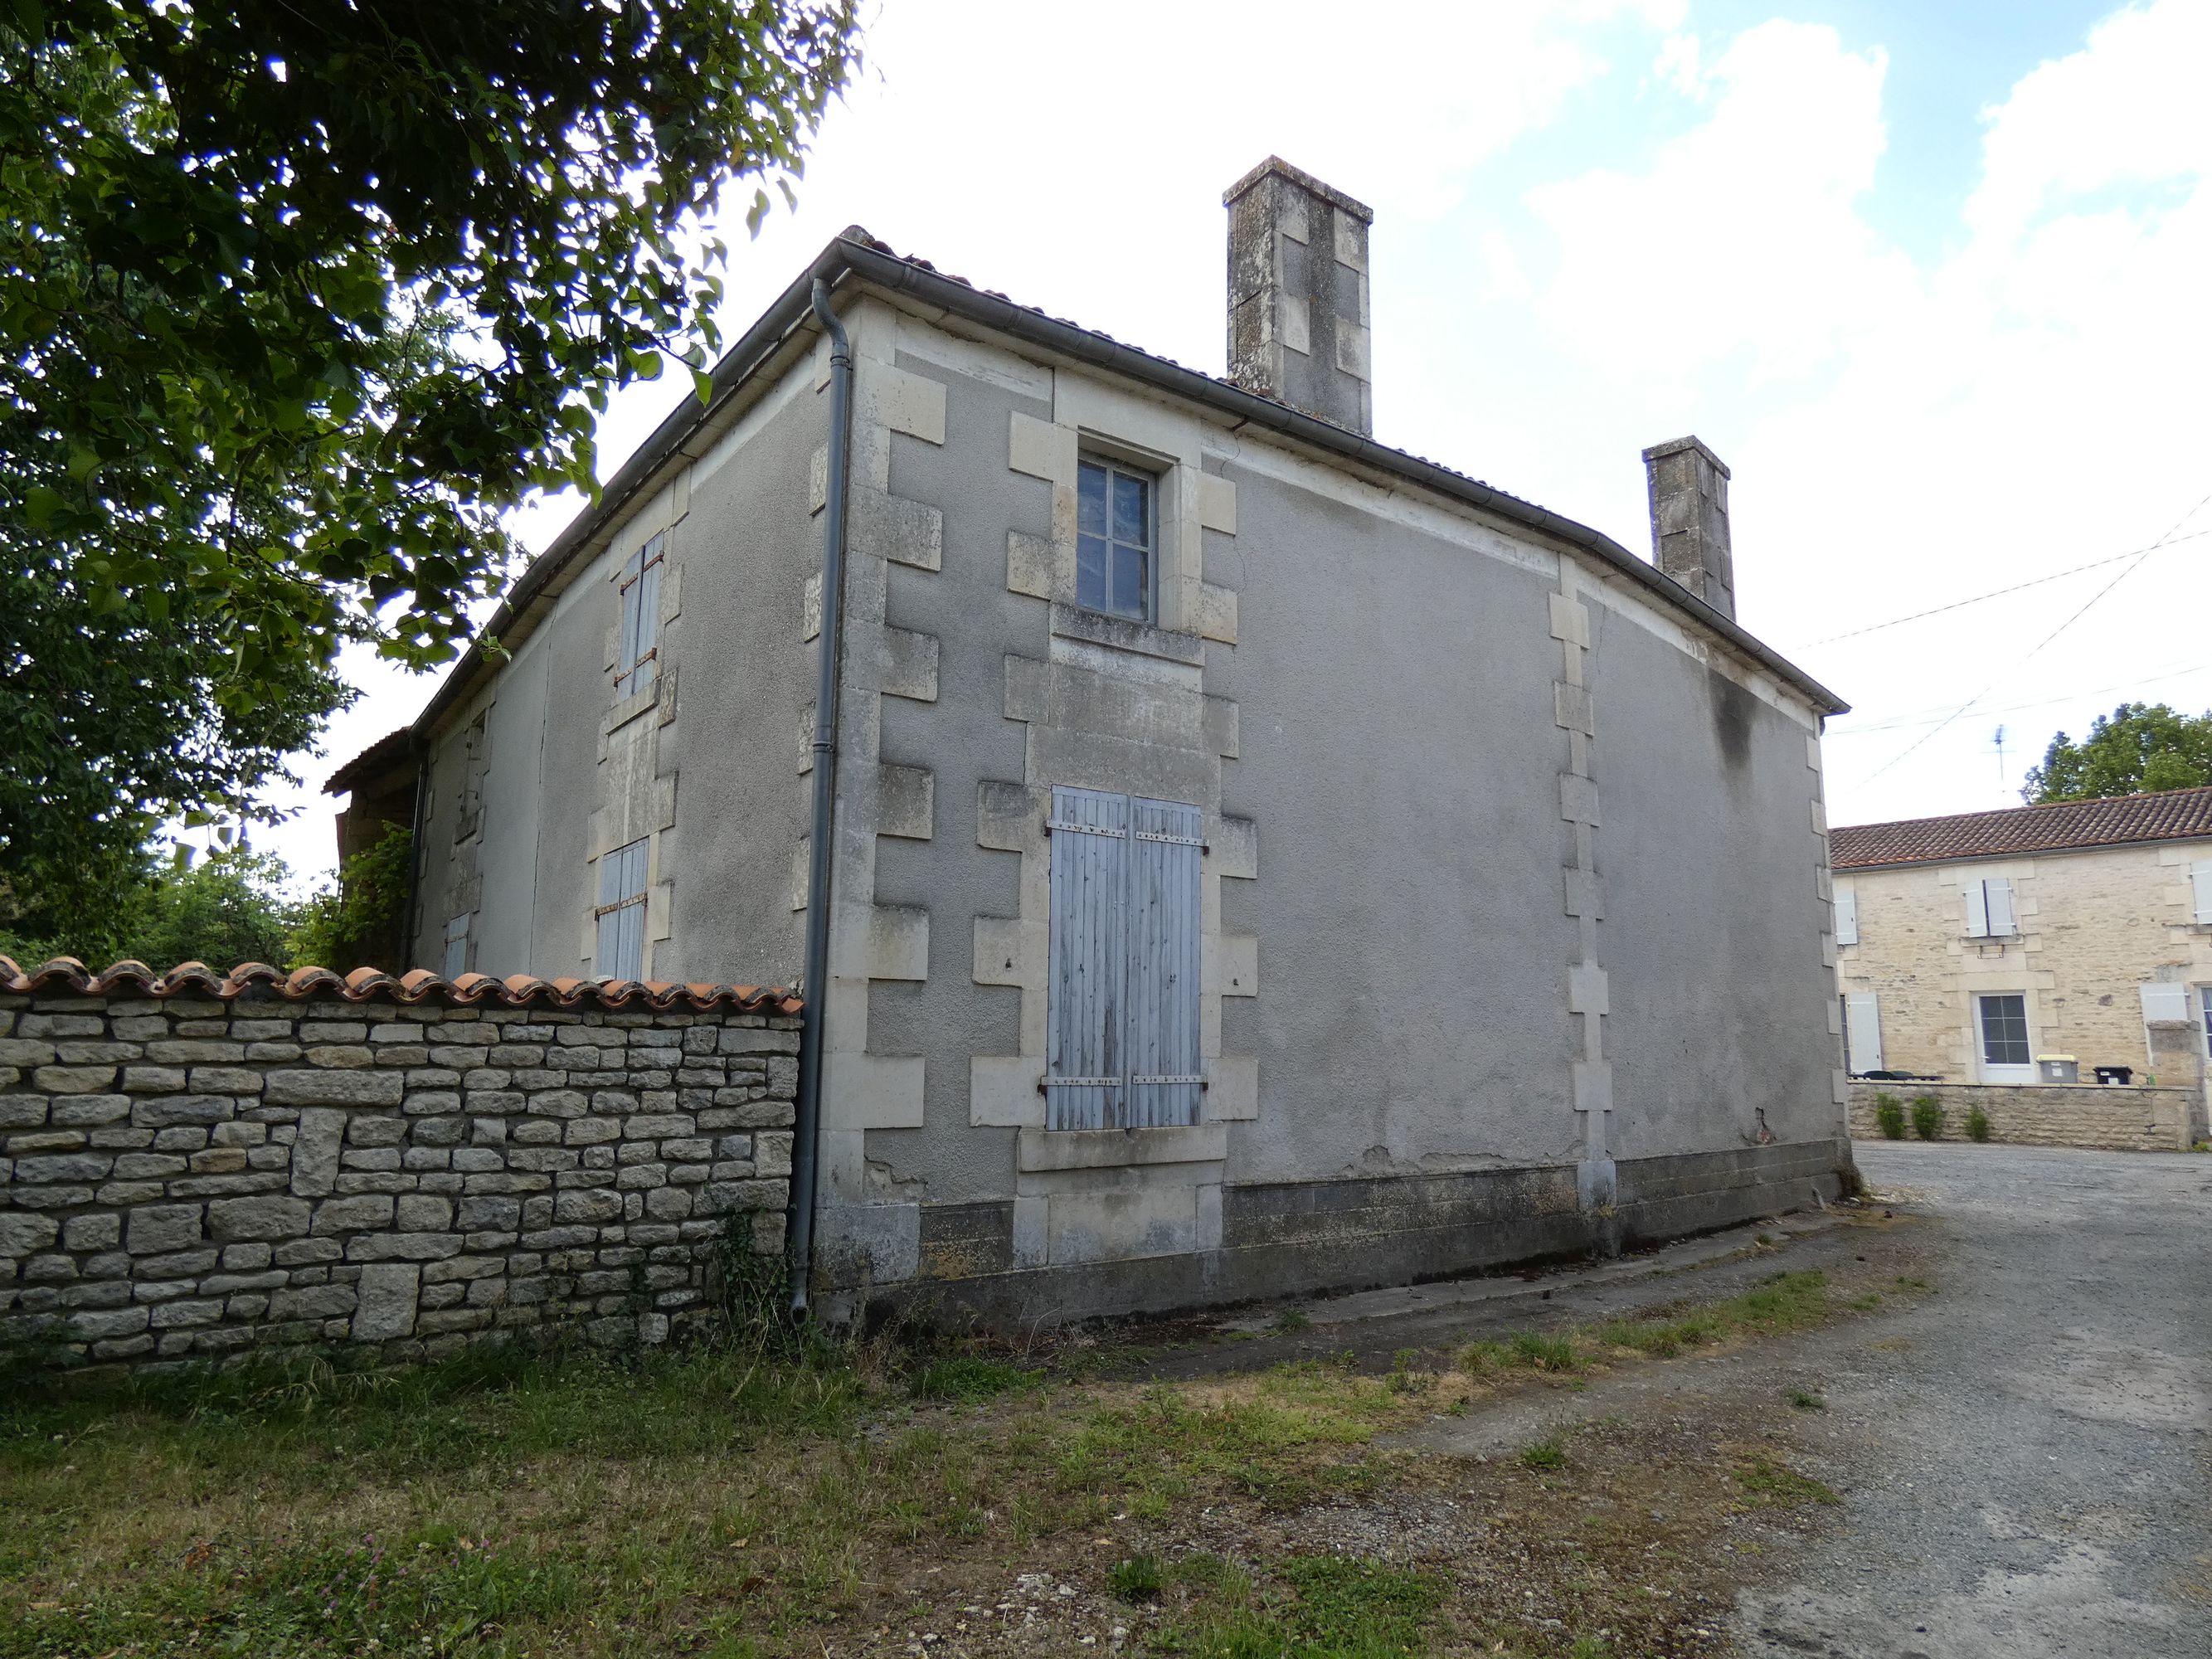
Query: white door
{"type": "Point", "coordinates": [2000, 1037]}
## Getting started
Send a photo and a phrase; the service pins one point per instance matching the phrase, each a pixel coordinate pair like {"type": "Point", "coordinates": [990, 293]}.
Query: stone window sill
{"type": "Point", "coordinates": [1109, 1149]}
{"type": "Point", "coordinates": [1072, 622]}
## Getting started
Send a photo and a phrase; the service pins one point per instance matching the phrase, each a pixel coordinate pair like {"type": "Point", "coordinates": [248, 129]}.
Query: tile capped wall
{"type": "Point", "coordinates": [188, 1178]}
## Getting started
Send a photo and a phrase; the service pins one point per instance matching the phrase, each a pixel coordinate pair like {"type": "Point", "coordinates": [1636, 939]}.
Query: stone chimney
{"type": "Point", "coordinates": [1690, 520]}
{"type": "Point", "coordinates": [1297, 294]}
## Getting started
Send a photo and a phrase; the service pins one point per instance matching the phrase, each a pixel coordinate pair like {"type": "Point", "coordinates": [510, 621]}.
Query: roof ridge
{"type": "Point", "coordinates": [417, 986]}
{"type": "Point", "coordinates": [2033, 807]}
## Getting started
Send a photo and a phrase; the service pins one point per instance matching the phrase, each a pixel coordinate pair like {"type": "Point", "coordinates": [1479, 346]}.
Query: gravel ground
{"type": "Point", "coordinates": [2028, 1454]}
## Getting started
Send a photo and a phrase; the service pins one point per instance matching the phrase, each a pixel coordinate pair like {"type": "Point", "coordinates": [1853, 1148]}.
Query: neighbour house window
{"type": "Point", "coordinates": [2004, 1029]}
{"type": "Point", "coordinates": [1121, 1009]}
{"type": "Point", "coordinates": [1847, 916]}
{"type": "Point", "coordinates": [637, 655]}
{"type": "Point", "coordinates": [2205, 1002]}
{"type": "Point", "coordinates": [621, 951]}
{"type": "Point", "coordinates": [1989, 909]}
{"type": "Point", "coordinates": [1861, 1032]}
{"type": "Point", "coordinates": [457, 946]}
{"type": "Point", "coordinates": [1114, 537]}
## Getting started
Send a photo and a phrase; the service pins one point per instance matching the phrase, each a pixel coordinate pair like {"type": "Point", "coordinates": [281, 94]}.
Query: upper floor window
{"type": "Point", "coordinates": [637, 657]}
{"type": "Point", "coordinates": [621, 913]}
{"type": "Point", "coordinates": [1990, 909]}
{"type": "Point", "coordinates": [1116, 533]}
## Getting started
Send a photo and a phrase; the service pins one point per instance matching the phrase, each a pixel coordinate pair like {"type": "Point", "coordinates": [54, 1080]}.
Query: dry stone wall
{"type": "Point", "coordinates": [2129, 1119]}
{"type": "Point", "coordinates": [187, 1177]}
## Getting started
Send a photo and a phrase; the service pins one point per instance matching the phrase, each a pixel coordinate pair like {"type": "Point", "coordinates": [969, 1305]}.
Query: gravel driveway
{"type": "Point", "coordinates": [2028, 1454]}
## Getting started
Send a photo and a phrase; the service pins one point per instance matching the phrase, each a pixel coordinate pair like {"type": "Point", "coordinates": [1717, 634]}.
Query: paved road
{"type": "Point", "coordinates": [2029, 1463]}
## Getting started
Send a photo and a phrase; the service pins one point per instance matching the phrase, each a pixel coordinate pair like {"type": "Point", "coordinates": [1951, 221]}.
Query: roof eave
{"type": "Point", "coordinates": [847, 257]}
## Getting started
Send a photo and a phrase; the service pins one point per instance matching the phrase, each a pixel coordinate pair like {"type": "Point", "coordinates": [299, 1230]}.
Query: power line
{"type": "Point", "coordinates": [2162, 541]}
{"type": "Point", "coordinates": [2017, 588]}
{"type": "Point", "coordinates": [1904, 722]}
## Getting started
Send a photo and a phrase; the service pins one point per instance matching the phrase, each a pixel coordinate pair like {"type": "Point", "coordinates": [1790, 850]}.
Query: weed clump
{"type": "Point", "coordinates": [1769, 1482]}
{"type": "Point", "coordinates": [1927, 1117]}
{"type": "Point", "coordinates": [1978, 1124]}
{"type": "Point", "coordinates": [1549, 1453]}
{"type": "Point", "coordinates": [1806, 1400]}
{"type": "Point", "coordinates": [1136, 1578]}
{"type": "Point", "coordinates": [1889, 1115]}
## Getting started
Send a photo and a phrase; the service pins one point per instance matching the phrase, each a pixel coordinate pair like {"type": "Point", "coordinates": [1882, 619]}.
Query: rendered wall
{"type": "Point", "coordinates": [1488, 836]}
{"type": "Point", "coordinates": [571, 770]}
{"type": "Point", "coordinates": [192, 1176]}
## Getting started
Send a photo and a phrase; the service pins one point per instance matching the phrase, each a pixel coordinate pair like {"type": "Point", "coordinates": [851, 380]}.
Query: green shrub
{"type": "Point", "coordinates": [1889, 1113]}
{"type": "Point", "coordinates": [1928, 1117]}
{"type": "Point", "coordinates": [967, 1378]}
{"type": "Point", "coordinates": [1978, 1124]}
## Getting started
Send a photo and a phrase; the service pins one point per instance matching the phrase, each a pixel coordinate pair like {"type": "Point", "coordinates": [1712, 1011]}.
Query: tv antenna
{"type": "Point", "coordinates": [2003, 777]}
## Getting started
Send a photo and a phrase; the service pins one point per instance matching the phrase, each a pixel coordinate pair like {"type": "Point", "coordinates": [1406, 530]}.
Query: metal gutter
{"type": "Point", "coordinates": [854, 253]}
{"type": "Point", "coordinates": [806, 1122]}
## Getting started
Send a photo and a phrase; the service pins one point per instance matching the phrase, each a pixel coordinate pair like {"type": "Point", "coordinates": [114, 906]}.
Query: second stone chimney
{"type": "Point", "coordinates": [1297, 294]}
{"type": "Point", "coordinates": [1690, 520]}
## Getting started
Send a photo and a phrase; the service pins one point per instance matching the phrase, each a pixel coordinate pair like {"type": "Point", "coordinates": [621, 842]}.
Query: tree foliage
{"type": "Point", "coordinates": [359, 923]}
{"type": "Point", "coordinates": [224, 909]}
{"type": "Point", "coordinates": [296, 300]}
{"type": "Point", "coordinates": [2138, 747]}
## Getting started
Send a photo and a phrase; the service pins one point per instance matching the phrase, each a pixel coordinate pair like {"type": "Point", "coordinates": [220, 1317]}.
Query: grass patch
{"type": "Point", "coordinates": [1768, 1482]}
{"type": "Point", "coordinates": [1780, 1302]}
{"type": "Point", "coordinates": [1322, 1606]}
{"type": "Point", "coordinates": [1291, 1321]}
{"type": "Point", "coordinates": [968, 1378]}
{"type": "Point", "coordinates": [1806, 1400]}
{"type": "Point", "coordinates": [1528, 1350]}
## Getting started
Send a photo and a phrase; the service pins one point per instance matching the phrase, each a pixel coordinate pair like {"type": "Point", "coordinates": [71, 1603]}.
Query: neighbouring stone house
{"type": "Point", "coordinates": [1969, 946]}
{"type": "Point", "coordinates": [1257, 858]}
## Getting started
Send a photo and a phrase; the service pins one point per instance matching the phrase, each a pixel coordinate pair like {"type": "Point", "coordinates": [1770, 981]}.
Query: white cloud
{"type": "Point", "coordinates": [1742, 239]}
{"type": "Point", "coordinates": [1902, 434]}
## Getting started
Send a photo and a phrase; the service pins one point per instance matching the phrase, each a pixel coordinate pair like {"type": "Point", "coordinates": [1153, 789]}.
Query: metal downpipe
{"type": "Point", "coordinates": [805, 1149]}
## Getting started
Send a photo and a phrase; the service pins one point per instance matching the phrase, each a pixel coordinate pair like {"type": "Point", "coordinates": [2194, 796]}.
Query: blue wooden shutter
{"type": "Point", "coordinates": [1085, 1076]}
{"type": "Point", "coordinates": [1165, 841]}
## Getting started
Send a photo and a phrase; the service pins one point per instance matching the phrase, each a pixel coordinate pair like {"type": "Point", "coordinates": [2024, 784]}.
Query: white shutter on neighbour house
{"type": "Point", "coordinates": [2200, 882]}
{"type": "Point", "coordinates": [1847, 916]}
{"type": "Point", "coordinates": [1862, 1031]}
{"type": "Point", "coordinates": [2003, 923]}
{"type": "Point", "coordinates": [2164, 1004]}
{"type": "Point", "coordinates": [1121, 1007]}
{"type": "Point", "coordinates": [1977, 911]}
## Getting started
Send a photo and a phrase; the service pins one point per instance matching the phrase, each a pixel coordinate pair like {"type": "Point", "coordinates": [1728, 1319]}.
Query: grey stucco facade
{"type": "Point", "coordinates": [1514, 902]}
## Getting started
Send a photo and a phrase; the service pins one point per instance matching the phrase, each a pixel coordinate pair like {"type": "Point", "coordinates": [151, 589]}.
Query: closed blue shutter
{"type": "Point", "coordinates": [1085, 1086]}
{"type": "Point", "coordinates": [1164, 844]}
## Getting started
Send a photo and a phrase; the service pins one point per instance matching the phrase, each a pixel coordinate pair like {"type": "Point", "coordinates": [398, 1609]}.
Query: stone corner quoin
{"type": "Point", "coordinates": [192, 1177]}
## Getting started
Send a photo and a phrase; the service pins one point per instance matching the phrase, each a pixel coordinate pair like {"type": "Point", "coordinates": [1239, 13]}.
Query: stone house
{"type": "Point", "coordinates": [1968, 946]}
{"type": "Point", "coordinates": [1254, 860]}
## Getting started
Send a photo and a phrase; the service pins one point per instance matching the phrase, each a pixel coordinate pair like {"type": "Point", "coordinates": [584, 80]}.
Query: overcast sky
{"type": "Point", "coordinates": [1932, 278]}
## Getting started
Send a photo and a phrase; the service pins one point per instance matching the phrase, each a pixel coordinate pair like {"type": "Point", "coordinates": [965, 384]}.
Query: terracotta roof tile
{"type": "Point", "coordinates": [2170, 815]}
{"type": "Point", "coordinates": [129, 978]}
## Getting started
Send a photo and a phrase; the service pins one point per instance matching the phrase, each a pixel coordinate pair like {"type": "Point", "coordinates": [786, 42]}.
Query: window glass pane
{"type": "Point", "coordinates": [1128, 582]}
{"type": "Point", "coordinates": [1090, 498]}
{"type": "Point", "coordinates": [2004, 1030]}
{"type": "Point", "coordinates": [1130, 521]}
{"type": "Point", "coordinates": [1090, 572]}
